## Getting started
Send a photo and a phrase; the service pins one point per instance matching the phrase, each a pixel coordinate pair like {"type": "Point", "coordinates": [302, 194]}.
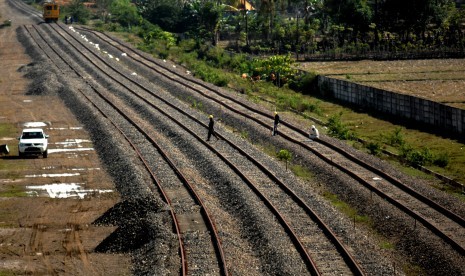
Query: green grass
{"type": "Point", "coordinates": [8, 130]}
{"type": "Point", "coordinates": [244, 134]}
{"type": "Point", "coordinates": [347, 209]}
{"type": "Point", "coordinates": [386, 245]}
{"type": "Point", "coordinates": [301, 172]}
{"type": "Point", "coordinates": [12, 191]}
{"type": "Point", "coordinates": [7, 273]}
{"type": "Point", "coordinates": [269, 149]}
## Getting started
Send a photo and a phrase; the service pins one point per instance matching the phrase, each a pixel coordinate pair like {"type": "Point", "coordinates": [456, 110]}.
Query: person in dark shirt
{"type": "Point", "coordinates": [276, 123]}
{"type": "Point", "coordinates": [211, 130]}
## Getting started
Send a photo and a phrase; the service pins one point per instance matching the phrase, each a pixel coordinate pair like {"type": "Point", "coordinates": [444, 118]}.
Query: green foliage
{"type": "Point", "coordinates": [284, 155]}
{"type": "Point", "coordinates": [197, 105]}
{"type": "Point", "coordinates": [338, 129]}
{"type": "Point", "coordinates": [442, 160]}
{"type": "Point", "coordinates": [277, 69]}
{"type": "Point", "coordinates": [420, 157]}
{"type": "Point", "coordinates": [396, 138]}
{"type": "Point", "coordinates": [153, 34]}
{"type": "Point", "coordinates": [297, 102]}
{"type": "Point", "coordinates": [13, 191]}
{"type": "Point", "coordinates": [302, 172]}
{"type": "Point", "coordinates": [207, 74]}
{"type": "Point", "coordinates": [244, 134]}
{"type": "Point", "coordinates": [239, 63]}
{"type": "Point", "coordinates": [77, 10]}
{"type": "Point", "coordinates": [304, 83]}
{"type": "Point", "coordinates": [424, 157]}
{"type": "Point", "coordinates": [7, 130]}
{"type": "Point", "coordinates": [387, 245]}
{"type": "Point", "coordinates": [6, 23]}
{"type": "Point", "coordinates": [123, 12]}
{"type": "Point", "coordinates": [374, 148]}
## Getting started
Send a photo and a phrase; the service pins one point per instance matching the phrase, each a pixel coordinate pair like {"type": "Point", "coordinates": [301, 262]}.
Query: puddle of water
{"type": "Point", "coordinates": [73, 142]}
{"type": "Point", "coordinates": [65, 128]}
{"type": "Point", "coordinates": [71, 169]}
{"type": "Point", "coordinates": [10, 180]}
{"type": "Point", "coordinates": [34, 124]}
{"type": "Point", "coordinates": [53, 175]}
{"type": "Point", "coordinates": [69, 150]}
{"type": "Point", "coordinates": [27, 101]}
{"type": "Point", "coordinates": [64, 190]}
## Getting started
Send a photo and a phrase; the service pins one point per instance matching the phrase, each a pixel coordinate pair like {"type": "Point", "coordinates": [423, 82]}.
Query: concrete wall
{"type": "Point", "coordinates": [404, 106]}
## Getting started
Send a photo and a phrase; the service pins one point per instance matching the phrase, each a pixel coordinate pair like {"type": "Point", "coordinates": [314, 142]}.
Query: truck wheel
{"type": "Point", "coordinates": [45, 154]}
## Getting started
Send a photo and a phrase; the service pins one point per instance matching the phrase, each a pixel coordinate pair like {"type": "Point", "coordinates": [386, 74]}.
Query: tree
{"type": "Point", "coordinates": [103, 9]}
{"type": "Point", "coordinates": [124, 12]}
{"type": "Point", "coordinates": [284, 155]}
{"type": "Point", "coordinates": [78, 11]}
{"type": "Point", "coordinates": [203, 19]}
{"type": "Point", "coordinates": [165, 13]}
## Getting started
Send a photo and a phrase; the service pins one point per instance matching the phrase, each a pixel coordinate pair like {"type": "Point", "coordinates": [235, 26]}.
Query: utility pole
{"type": "Point", "coordinates": [297, 38]}
{"type": "Point", "coordinates": [246, 26]}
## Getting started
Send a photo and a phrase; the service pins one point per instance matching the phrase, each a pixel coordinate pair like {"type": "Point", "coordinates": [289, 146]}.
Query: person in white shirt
{"type": "Point", "coordinates": [314, 134]}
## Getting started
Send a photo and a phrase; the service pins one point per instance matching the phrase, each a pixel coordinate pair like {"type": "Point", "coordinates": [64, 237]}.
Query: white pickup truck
{"type": "Point", "coordinates": [33, 141]}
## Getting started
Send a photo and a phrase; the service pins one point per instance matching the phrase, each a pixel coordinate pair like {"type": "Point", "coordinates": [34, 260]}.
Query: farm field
{"type": "Point", "coordinates": [437, 80]}
{"type": "Point", "coordinates": [440, 80]}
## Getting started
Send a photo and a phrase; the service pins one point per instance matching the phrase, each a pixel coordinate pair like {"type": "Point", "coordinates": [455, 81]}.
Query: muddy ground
{"type": "Point", "coordinates": [440, 80]}
{"type": "Point", "coordinates": [50, 232]}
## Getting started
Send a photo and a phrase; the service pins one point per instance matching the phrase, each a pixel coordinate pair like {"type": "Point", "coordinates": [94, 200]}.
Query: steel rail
{"type": "Point", "coordinates": [355, 267]}
{"type": "Point", "coordinates": [439, 208]}
{"type": "Point", "coordinates": [451, 215]}
{"type": "Point", "coordinates": [299, 245]}
{"type": "Point", "coordinates": [153, 176]}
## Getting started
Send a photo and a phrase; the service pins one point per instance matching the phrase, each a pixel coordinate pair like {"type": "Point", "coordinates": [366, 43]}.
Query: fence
{"type": "Point", "coordinates": [424, 111]}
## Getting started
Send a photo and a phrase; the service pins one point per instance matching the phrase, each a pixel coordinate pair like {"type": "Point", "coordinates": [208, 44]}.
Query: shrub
{"type": "Point", "coordinates": [417, 158]}
{"type": "Point", "coordinates": [188, 45]}
{"type": "Point", "coordinates": [7, 23]}
{"type": "Point", "coordinates": [374, 148]}
{"type": "Point", "coordinates": [396, 138]}
{"type": "Point", "coordinates": [284, 155]}
{"type": "Point", "coordinates": [441, 160]}
{"type": "Point", "coordinates": [239, 63]}
{"type": "Point", "coordinates": [303, 83]}
{"type": "Point", "coordinates": [338, 129]}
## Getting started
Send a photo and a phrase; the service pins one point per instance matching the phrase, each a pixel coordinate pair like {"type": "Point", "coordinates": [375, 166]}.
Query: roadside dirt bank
{"type": "Point", "coordinates": [45, 219]}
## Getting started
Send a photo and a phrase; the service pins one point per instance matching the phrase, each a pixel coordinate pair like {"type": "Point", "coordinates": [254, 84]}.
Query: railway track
{"type": "Point", "coordinates": [402, 198]}
{"type": "Point", "coordinates": [178, 180]}
{"type": "Point", "coordinates": [266, 173]}
{"type": "Point", "coordinates": [441, 221]}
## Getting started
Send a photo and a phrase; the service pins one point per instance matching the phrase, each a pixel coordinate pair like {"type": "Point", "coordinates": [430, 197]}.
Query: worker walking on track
{"type": "Point", "coordinates": [276, 123]}
{"type": "Point", "coordinates": [211, 130]}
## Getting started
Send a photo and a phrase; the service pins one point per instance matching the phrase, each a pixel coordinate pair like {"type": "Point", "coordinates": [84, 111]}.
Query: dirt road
{"type": "Point", "coordinates": [45, 220]}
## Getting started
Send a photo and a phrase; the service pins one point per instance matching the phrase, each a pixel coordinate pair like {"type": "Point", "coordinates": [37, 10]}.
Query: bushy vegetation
{"type": "Point", "coordinates": [77, 11]}
{"type": "Point", "coordinates": [284, 155]}
{"type": "Point", "coordinates": [338, 129]}
{"type": "Point", "coordinates": [423, 157]}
